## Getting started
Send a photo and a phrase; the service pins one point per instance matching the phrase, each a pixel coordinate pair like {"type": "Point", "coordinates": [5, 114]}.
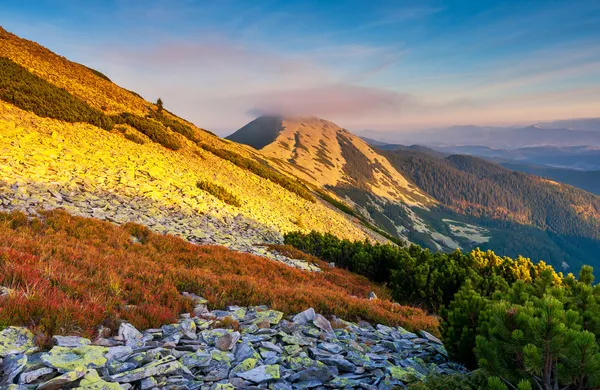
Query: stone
{"type": "Point", "coordinates": [119, 353]}
{"type": "Point", "coordinates": [372, 296]}
{"type": "Point", "coordinates": [66, 359]}
{"type": "Point", "coordinates": [431, 337]}
{"type": "Point", "coordinates": [61, 381]}
{"type": "Point", "coordinates": [261, 374]}
{"type": "Point", "coordinates": [305, 317]}
{"type": "Point", "coordinates": [405, 374]}
{"type": "Point", "coordinates": [322, 323]}
{"type": "Point", "coordinates": [70, 341]}
{"type": "Point", "coordinates": [164, 366]}
{"type": "Point", "coordinates": [11, 367]}
{"type": "Point", "coordinates": [331, 347]}
{"type": "Point", "coordinates": [35, 375]}
{"type": "Point", "coordinates": [322, 374]}
{"type": "Point", "coordinates": [244, 366]}
{"type": "Point", "coordinates": [130, 335]}
{"type": "Point", "coordinates": [227, 341]}
{"type": "Point", "coordinates": [15, 339]}
{"type": "Point", "coordinates": [272, 316]}
{"type": "Point", "coordinates": [148, 383]}
{"type": "Point", "coordinates": [270, 346]}
{"type": "Point", "coordinates": [92, 381]}
{"type": "Point", "coordinates": [339, 362]}
{"type": "Point", "coordinates": [244, 351]}
{"type": "Point", "coordinates": [196, 360]}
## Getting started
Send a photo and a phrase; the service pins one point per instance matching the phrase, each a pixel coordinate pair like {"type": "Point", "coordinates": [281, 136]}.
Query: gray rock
{"type": "Point", "coordinates": [70, 341]}
{"type": "Point", "coordinates": [35, 375]}
{"type": "Point", "coordinates": [322, 374]}
{"type": "Point", "coordinates": [431, 337]}
{"type": "Point", "coordinates": [322, 323]}
{"type": "Point", "coordinates": [339, 362]}
{"type": "Point", "coordinates": [244, 351]}
{"type": "Point", "coordinates": [227, 341]}
{"type": "Point", "coordinates": [130, 335]}
{"type": "Point", "coordinates": [372, 295]}
{"type": "Point", "coordinates": [270, 346]}
{"type": "Point", "coordinates": [11, 367]}
{"type": "Point", "coordinates": [261, 374]}
{"type": "Point", "coordinates": [61, 381]}
{"type": "Point", "coordinates": [14, 339]}
{"type": "Point", "coordinates": [119, 353]}
{"type": "Point", "coordinates": [331, 347]}
{"type": "Point", "coordinates": [165, 366]}
{"type": "Point", "coordinates": [148, 383]}
{"type": "Point", "coordinates": [305, 317]}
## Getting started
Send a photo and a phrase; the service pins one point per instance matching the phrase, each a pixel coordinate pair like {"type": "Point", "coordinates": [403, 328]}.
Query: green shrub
{"type": "Point", "coordinates": [219, 192]}
{"type": "Point", "coordinates": [177, 127]}
{"type": "Point", "coordinates": [151, 128]}
{"type": "Point", "coordinates": [133, 137]}
{"type": "Point", "coordinates": [262, 170]}
{"type": "Point", "coordinates": [29, 92]}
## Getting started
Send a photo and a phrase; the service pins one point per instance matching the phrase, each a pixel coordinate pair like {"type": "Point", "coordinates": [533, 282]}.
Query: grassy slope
{"type": "Point", "coordinates": [58, 152]}
{"type": "Point", "coordinates": [69, 274]}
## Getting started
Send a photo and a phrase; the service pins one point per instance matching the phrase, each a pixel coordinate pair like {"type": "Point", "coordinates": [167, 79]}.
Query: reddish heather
{"type": "Point", "coordinates": [70, 274]}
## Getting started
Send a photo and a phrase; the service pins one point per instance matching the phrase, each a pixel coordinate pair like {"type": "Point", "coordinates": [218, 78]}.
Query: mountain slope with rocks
{"type": "Point", "coordinates": [73, 139]}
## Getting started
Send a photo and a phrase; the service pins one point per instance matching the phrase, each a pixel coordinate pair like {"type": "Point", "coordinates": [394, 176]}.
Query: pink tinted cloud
{"type": "Point", "coordinates": [329, 100]}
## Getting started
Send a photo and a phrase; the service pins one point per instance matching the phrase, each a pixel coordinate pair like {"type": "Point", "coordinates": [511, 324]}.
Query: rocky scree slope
{"type": "Point", "coordinates": [259, 349]}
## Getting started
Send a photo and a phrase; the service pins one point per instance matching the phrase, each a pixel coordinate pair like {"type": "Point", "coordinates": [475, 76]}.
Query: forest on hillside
{"type": "Point", "coordinates": [476, 187]}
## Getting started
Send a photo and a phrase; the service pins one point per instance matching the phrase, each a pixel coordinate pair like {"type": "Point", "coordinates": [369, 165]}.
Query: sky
{"type": "Point", "coordinates": [387, 65]}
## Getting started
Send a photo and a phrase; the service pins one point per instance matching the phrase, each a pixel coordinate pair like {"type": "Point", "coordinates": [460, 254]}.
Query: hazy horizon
{"type": "Point", "coordinates": [384, 65]}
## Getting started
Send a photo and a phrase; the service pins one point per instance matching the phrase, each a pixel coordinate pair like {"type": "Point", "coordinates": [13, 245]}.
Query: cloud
{"type": "Point", "coordinates": [328, 100]}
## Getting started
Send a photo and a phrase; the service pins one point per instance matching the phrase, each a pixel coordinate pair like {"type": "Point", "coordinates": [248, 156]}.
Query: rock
{"type": "Point", "coordinates": [431, 337]}
{"type": "Point", "coordinates": [118, 353]}
{"type": "Point", "coordinates": [92, 381]}
{"type": "Point", "coordinates": [35, 375]}
{"type": "Point", "coordinates": [196, 360]}
{"type": "Point", "coordinates": [164, 366]}
{"type": "Point", "coordinates": [66, 359]}
{"type": "Point", "coordinates": [70, 341]}
{"type": "Point", "coordinates": [228, 341]}
{"type": "Point", "coordinates": [372, 295]}
{"type": "Point", "coordinates": [270, 346]}
{"type": "Point", "coordinates": [322, 323]}
{"type": "Point", "coordinates": [272, 316]}
{"type": "Point", "coordinates": [407, 374]}
{"type": "Point", "coordinates": [322, 374]}
{"type": "Point", "coordinates": [60, 381]}
{"type": "Point", "coordinates": [244, 351]}
{"type": "Point", "coordinates": [11, 367]}
{"type": "Point", "coordinates": [306, 316]}
{"type": "Point", "coordinates": [261, 374]}
{"type": "Point", "coordinates": [130, 335]}
{"type": "Point", "coordinates": [244, 366]}
{"type": "Point", "coordinates": [339, 362]}
{"type": "Point", "coordinates": [148, 383]}
{"type": "Point", "coordinates": [15, 339]}
{"type": "Point", "coordinates": [331, 347]}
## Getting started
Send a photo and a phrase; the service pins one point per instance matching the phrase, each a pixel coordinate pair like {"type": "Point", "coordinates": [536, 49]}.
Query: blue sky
{"type": "Point", "coordinates": [386, 65]}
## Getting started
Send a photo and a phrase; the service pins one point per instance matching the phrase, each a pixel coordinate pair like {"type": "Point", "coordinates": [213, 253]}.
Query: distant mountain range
{"type": "Point", "coordinates": [576, 132]}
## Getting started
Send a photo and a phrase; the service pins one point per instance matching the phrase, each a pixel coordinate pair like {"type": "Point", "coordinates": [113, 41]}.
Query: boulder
{"type": "Point", "coordinates": [261, 374]}
{"type": "Point", "coordinates": [305, 317]}
{"type": "Point", "coordinates": [15, 339]}
{"type": "Point", "coordinates": [11, 367]}
{"type": "Point", "coordinates": [70, 341]}
{"type": "Point", "coordinates": [66, 359]}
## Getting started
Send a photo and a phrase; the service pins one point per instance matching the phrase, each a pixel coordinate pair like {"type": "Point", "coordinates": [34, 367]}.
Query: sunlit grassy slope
{"type": "Point", "coordinates": [84, 159]}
